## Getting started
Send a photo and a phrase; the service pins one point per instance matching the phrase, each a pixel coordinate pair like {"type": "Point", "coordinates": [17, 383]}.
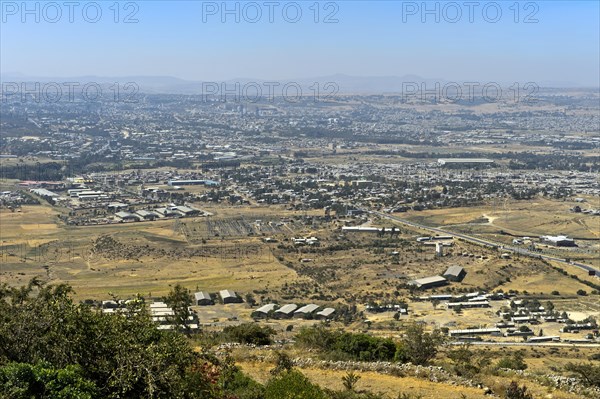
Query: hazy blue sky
{"type": "Point", "coordinates": [370, 38]}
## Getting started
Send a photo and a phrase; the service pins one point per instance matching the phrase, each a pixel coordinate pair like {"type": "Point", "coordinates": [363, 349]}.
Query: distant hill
{"type": "Point", "coordinates": [346, 84]}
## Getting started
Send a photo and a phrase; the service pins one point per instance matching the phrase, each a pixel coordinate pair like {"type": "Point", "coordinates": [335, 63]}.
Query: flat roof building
{"type": "Point", "coordinates": [558, 241]}
{"type": "Point", "coordinates": [126, 216]}
{"type": "Point", "coordinates": [146, 215]}
{"type": "Point", "coordinates": [475, 331]}
{"type": "Point", "coordinates": [471, 304]}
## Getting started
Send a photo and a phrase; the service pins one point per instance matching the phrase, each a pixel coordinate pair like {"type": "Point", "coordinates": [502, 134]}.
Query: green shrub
{"type": "Point", "coordinates": [26, 381]}
{"type": "Point", "coordinates": [249, 333]}
{"type": "Point", "coordinates": [589, 372]}
{"type": "Point", "coordinates": [292, 385]}
{"type": "Point", "coordinates": [418, 346]}
{"type": "Point", "coordinates": [243, 387]}
{"type": "Point", "coordinates": [514, 362]}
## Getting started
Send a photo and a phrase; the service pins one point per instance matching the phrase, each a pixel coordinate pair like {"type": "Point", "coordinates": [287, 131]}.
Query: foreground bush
{"type": "Point", "coordinates": [26, 381]}
{"type": "Point", "coordinates": [123, 355]}
{"type": "Point", "coordinates": [292, 385]}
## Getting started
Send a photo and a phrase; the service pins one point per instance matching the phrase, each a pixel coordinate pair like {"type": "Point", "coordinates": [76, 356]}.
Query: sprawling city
{"type": "Point", "coordinates": [339, 237]}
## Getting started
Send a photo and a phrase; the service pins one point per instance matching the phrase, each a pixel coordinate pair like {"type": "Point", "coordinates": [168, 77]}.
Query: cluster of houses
{"type": "Point", "coordinates": [293, 311]}
{"type": "Point", "coordinates": [515, 323]}
{"type": "Point", "coordinates": [271, 310]}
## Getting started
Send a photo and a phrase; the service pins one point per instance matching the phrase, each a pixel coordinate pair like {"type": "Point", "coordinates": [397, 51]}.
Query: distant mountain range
{"type": "Point", "coordinates": [345, 84]}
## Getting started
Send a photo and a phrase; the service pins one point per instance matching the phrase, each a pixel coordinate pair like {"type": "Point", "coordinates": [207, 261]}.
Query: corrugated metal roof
{"type": "Point", "coordinates": [454, 271]}
{"type": "Point", "coordinates": [326, 312]}
{"type": "Point", "coordinates": [307, 309]}
{"type": "Point", "coordinates": [227, 294]}
{"type": "Point", "coordinates": [429, 280]}
{"type": "Point", "coordinates": [287, 309]}
{"type": "Point", "coordinates": [266, 308]}
{"type": "Point", "coordinates": [200, 295]}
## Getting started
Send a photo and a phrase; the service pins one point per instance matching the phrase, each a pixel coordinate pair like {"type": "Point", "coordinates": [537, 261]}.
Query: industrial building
{"type": "Point", "coordinates": [306, 310]}
{"type": "Point", "coordinates": [203, 298]}
{"type": "Point", "coordinates": [286, 311]}
{"type": "Point", "coordinates": [127, 216]}
{"type": "Point", "coordinates": [229, 296]}
{"type": "Point", "coordinates": [325, 314]}
{"type": "Point", "coordinates": [146, 215]}
{"type": "Point", "coordinates": [475, 331]}
{"type": "Point", "coordinates": [429, 282]}
{"type": "Point", "coordinates": [454, 273]}
{"type": "Point", "coordinates": [469, 304]}
{"type": "Point", "coordinates": [558, 241]}
{"type": "Point", "coordinates": [263, 311]}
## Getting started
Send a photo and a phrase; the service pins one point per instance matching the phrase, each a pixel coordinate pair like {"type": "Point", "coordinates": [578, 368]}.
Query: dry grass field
{"type": "Point", "coordinates": [373, 382]}
{"type": "Point", "coordinates": [524, 218]}
{"type": "Point", "coordinates": [258, 363]}
{"type": "Point", "coordinates": [126, 259]}
{"type": "Point", "coordinates": [226, 250]}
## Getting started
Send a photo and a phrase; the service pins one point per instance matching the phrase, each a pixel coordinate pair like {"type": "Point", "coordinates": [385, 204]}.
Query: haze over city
{"type": "Point", "coordinates": [299, 200]}
{"type": "Point", "coordinates": [196, 40]}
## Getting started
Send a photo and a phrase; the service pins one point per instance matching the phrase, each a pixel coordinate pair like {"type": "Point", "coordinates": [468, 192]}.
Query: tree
{"type": "Point", "coordinates": [283, 363]}
{"type": "Point", "coordinates": [244, 387]}
{"type": "Point", "coordinates": [589, 372]}
{"type": "Point", "coordinates": [42, 381]}
{"type": "Point", "coordinates": [250, 300]}
{"type": "Point", "coordinates": [466, 362]}
{"type": "Point", "coordinates": [316, 337]}
{"type": "Point", "coordinates": [180, 300]}
{"type": "Point", "coordinates": [365, 347]}
{"type": "Point", "coordinates": [123, 354]}
{"type": "Point", "coordinates": [418, 346]}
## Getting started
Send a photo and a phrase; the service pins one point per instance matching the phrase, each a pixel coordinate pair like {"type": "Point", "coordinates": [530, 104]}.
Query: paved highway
{"type": "Point", "coordinates": [487, 243]}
